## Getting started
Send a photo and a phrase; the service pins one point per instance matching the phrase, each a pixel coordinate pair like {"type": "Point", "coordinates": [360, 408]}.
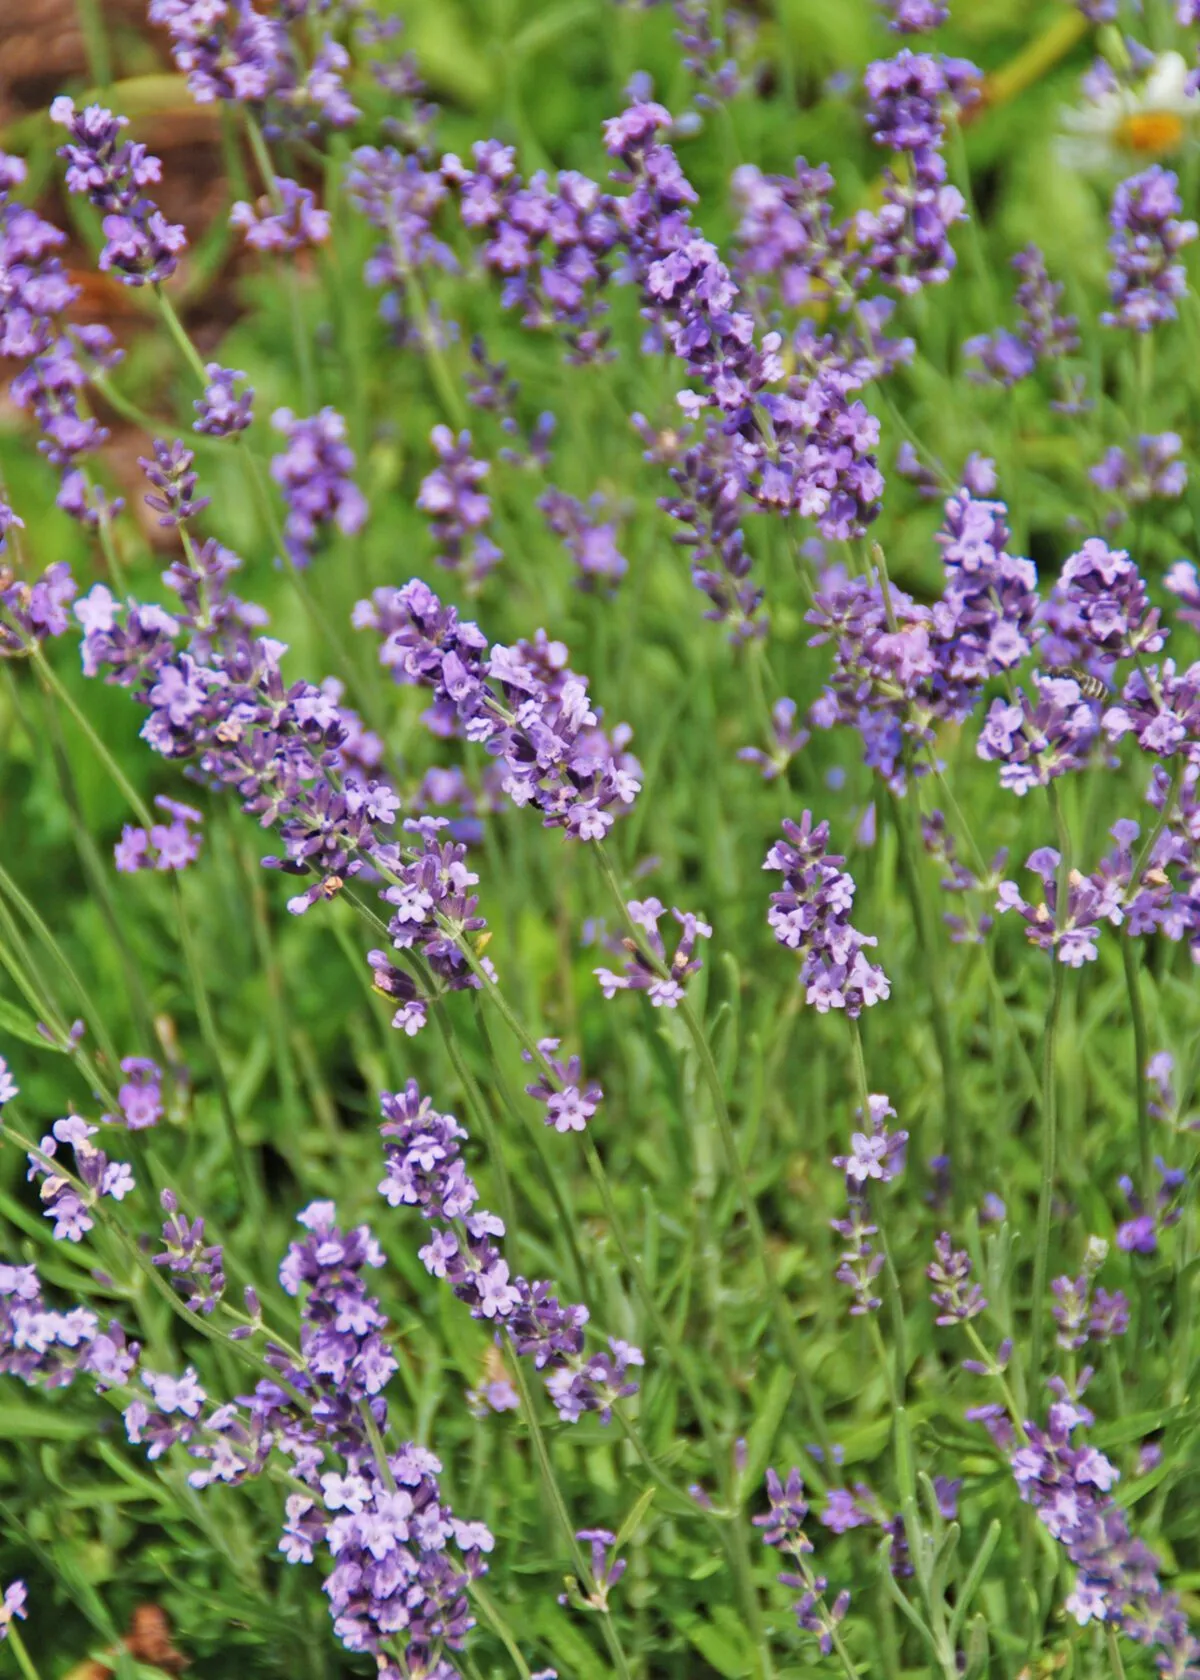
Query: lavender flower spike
{"type": "Point", "coordinates": [811, 915]}
{"type": "Point", "coordinates": [140, 244]}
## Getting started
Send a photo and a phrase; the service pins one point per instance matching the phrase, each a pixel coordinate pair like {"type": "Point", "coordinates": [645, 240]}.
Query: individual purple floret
{"type": "Point", "coordinates": [955, 1295]}
{"type": "Point", "coordinates": [458, 509]}
{"type": "Point", "coordinates": [194, 1266]}
{"type": "Point", "coordinates": [523, 703]}
{"type": "Point", "coordinates": [285, 221]}
{"type": "Point", "coordinates": [172, 845]}
{"type": "Point", "coordinates": [1149, 470]}
{"type": "Point", "coordinates": [589, 537]}
{"type": "Point", "coordinates": [69, 1204]}
{"type": "Point", "coordinates": [223, 410]}
{"type": "Point", "coordinates": [425, 1170]}
{"type": "Point", "coordinates": [569, 1103]}
{"type": "Point", "coordinates": [783, 1528]}
{"type": "Point", "coordinates": [648, 970]}
{"type": "Point", "coordinates": [1148, 234]}
{"type": "Point", "coordinates": [811, 915]}
{"type": "Point", "coordinates": [8, 1085]}
{"type": "Point", "coordinates": [140, 244]}
{"type": "Point", "coordinates": [12, 1607]}
{"type": "Point", "coordinates": [313, 473]}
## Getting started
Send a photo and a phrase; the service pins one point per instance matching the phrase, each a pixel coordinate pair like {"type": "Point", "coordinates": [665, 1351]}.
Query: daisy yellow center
{"type": "Point", "coordinates": [1151, 131]}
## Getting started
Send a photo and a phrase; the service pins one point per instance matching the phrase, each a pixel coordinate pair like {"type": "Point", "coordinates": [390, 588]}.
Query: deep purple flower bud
{"type": "Point", "coordinates": [173, 478]}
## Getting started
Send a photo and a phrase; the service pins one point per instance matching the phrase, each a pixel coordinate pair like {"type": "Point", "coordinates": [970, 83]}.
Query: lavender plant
{"type": "Point", "coordinates": [306, 585]}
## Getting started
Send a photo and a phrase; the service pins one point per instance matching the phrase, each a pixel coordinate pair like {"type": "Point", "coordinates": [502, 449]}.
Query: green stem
{"type": "Point", "coordinates": [712, 1077]}
{"type": "Point", "coordinates": [179, 333]}
{"type": "Point", "coordinates": [555, 1494]}
{"type": "Point", "coordinates": [1041, 1253]}
{"type": "Point", "coordinates": [24, 1660]}
{"type": "Point", "coordinates": [251, 1186]}
{"type": "Point", "coordinates": [132, 797]}
{"type": "Point", "coordinates": [1141, 1056]}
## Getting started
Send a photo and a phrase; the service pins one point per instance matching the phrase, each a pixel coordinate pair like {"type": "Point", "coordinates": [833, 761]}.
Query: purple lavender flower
{"type": "Point", "coordinates": [425, 1169]}
{"type": "Point", "coordinates": [786, 742]}
{"type": "Point", "coordinates": [1037, 741]}
{"type": "Point", "coordinates": [1108, 597]}
{"type": "Point", "coordinates": [647, 969]}
{"type": "Point", "coordinates": [1148, 233]}
{"type": "Point", "coordinates": [31, 613]}
{"type": "Point", "coordinates": [140, 244]}
{"type": "Point", "coordinates": [285, 221]}
{"type": "Point", "coordinates": [12, 1607]}
{"type": "Point", "coordinates": [1043, 334]}
{"type": "Point", "coordinates": [569, 1103]}
{"type": "Point", "coordinates": [914, 17]}
{"type": "Point", "coordinates": [40, 1345]}
{"type": "Point", "coordinates": [550, 246]}
{"type": "Point", "coordinates": [878, 1154]}
{"type": "Point", "coordinates": [172, 845]}
{"type": "Point", "coordinates": [8, 1085]}
{"type": "Point", "coordinates": [523, 702]}
{"type": "Point", "coordinates": [194, 1266]}
{"type": "Point", "coordinates": [140, 1097]}
{"type": "Point", "coordinates": [1116, 1574]}
{"type": "Point", "coordinates": [704, 54]}
{"type": "Point", "coordinates": [783, 1528]}
{"type": "Point", "coordinates": [1140, 1234]}
{"type": "Point", "coordinates": [954, 1294]}
{"type": "Point", "coordinates": [606, 1567]}
{"type": "Point", "coordinates": [69, 1203]}
{"type": "Point", "coordinates": [1069, 932]}
{"type": "Point", "coordinates": [589, 537]}
{"type": "Point", "coordinates": [458, 510]}
{"type": "Point", "coordinates": [314, 474]}
{"type": "Point", "coordinates": [171, 473]}
{"type": "Point", "coordinates": [811, 915]}
{"type": "Point", "coordinates": [223, 411]}
{"type": "Point", "coordinates": [1149, 470]}
{"type": "Point", "coordinates": [226, 48]}
{"type": "Point", "coordinates": [401, 198]}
